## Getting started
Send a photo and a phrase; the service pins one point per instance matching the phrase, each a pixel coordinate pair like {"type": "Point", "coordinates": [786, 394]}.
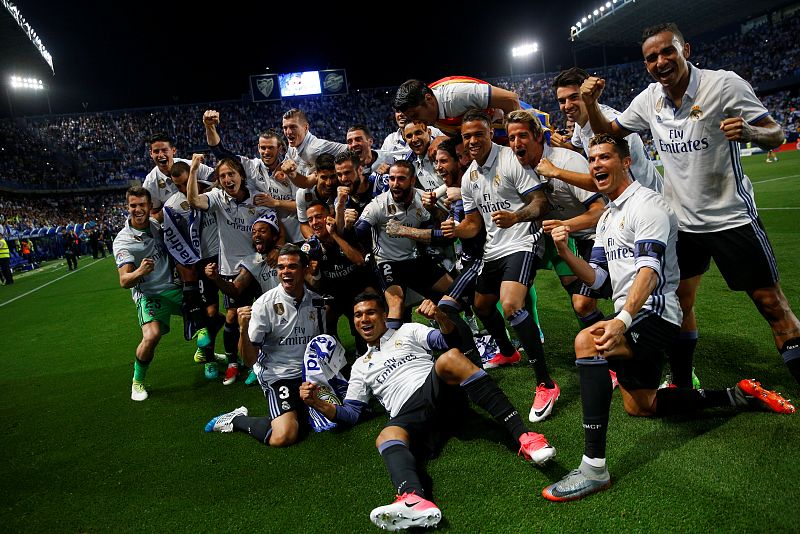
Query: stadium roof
{"type": "Point", "coordinates": [622, 24]}
{"type": "Point", "coordinates": [19, 55]}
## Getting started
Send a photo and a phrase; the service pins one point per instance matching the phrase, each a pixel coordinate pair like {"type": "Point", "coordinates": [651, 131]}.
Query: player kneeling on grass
{"type": "Point", "coordinates": [144, 268]}
{"type": "Point", "coordinates": [635, 249]}
{"type": "Point", "coordinates": [400, 372]}
{"type": "Point", "coordinates": [274, 335]}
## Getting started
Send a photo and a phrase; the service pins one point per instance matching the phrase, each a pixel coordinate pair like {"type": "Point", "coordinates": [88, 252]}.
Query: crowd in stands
{"type": "Point", "coordinates": [106, 150]}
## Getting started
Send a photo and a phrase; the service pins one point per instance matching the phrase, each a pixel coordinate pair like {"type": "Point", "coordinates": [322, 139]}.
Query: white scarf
{"type": "Point", "coordinates": [322, 364]}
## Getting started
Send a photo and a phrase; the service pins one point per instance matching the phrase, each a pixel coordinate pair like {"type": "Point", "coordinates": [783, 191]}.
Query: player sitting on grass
{"type": "Point", "coordinates": [400, 372]}
{"type": "Point", "coordinates": [635, 250]}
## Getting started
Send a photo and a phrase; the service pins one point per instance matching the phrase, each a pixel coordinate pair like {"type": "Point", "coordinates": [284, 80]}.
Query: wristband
{"type": "Point", "coordinates": [626, 318]}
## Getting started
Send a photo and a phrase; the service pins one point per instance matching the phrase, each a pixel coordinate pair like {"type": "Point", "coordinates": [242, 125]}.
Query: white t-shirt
{"type": "Point", "coordinates": [567, 200]}
{"type": "Point", "coordinates": [500, 185]}
{"type": "Point", "coordinates": [639, 230]}
{"type": "Point", "coordinates": [131, 246]}
{"type": "Point", "coordinates": [395, 371]}
{"type": "Point", "coordinates": [235, 226]}
{"type": "Point", "coordinates": [642, 169]}
{"type": "Point", "coordinates": [427, 178]}
{"type": "Point", "coordinates": [265, 181]}
{"type": "Point", "coordinates": [703, 179]}
{"type": "Point", "coordinates": [282, 329]}
{"type": "Point", "coordinates": [266, 276]}
{"type": "Point", "coordinates": [455, 99]}
{"type": "Point", "coordinates": [161, 187]}
{"type": "Point", "coordinates": [379, 211]}
{"type": "Point", "coordinates": [310, 149]}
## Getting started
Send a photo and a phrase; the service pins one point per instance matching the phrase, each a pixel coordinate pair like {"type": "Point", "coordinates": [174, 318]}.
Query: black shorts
{"type": "Point", "coordinates": [420, 274]}
{"type": "Point", "coordinates": [516, 267]}
{"type": "Point", "coordinates": [283, 396]}
{"type": "Point", "coordinates": [208, 289]}
{"type": "Point", "coordinates": [464, 283]}
{"type": "Point", "coordinates": [743, 255]}
{"type": "Point", "coordinates": [430, 407]}
{"type": "Point", "coordinates": [648, 337]}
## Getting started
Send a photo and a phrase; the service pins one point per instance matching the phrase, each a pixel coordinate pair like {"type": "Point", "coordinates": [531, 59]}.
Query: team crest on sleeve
{"type": "Point", "coordinates": [473, 175]}
{"type": "Point", "coordinates": [121, 255]}
{"type": "Point", "coordinates": [185, 205]}
{"type": "Point", "coordinates": [278, 307]}
{"type": "Point", "coordinates": [391, 209]}
{"type": "Point", "coordinates": [696, 113]}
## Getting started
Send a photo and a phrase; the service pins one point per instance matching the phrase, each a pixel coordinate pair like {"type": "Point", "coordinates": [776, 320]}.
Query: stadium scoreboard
{"type": "Point", "coordinates": [269, 87]}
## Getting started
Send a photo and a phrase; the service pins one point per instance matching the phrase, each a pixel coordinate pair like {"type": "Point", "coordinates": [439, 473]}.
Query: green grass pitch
{"type": "Point", "coordinates": [80, 456]}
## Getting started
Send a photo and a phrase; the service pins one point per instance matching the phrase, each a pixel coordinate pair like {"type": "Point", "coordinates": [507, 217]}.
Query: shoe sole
{"type": "Point", "coordinates": [769, 399]}
{"type": "Point", "coordinates": [393, 521]}
{"type": "Point", "coordinates": [580, 495]}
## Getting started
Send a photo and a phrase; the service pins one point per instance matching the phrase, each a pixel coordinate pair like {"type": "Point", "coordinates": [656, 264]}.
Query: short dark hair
{"type": "Point", "coordinates": [347, 155]}
{"type": "Point", "coordinates": [449, 145]}
{"type": "Point", "coordinates": [573, 76]}
{"type": "Point", "coordinates": [318, 203]}
{"type": "Point", "coordinates": [272, 134]}
{"type": "Point", "coordinates": [363, 128]}
{"type": "Point", "coordinates": [290, 249]}
{"type": "Point", "coordinates": [325, 163]}
{"type": "Point", "coordinates": [663, 27]}
{"type": "Point", "coordinates": [137, 191]}
{"type": "Point", "coordinates": [410, 94]}
{"type": "Point", "coordinates": [405, 164]}
{"type": "Point", "coordinates": [160, 137]}
{"type": "Point", "coordinates": [366, 296]}
{"type": "Point", "coordinates": [294, 112]}
{"type": "Point", "coordinates": [477, 115]}
{"type": "Point", "coordinates": [619, 143]}
{"type": "Point", "coordinates": [179, 168]}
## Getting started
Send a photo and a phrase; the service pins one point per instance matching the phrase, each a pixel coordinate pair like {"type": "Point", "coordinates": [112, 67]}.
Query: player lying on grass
{"type": "Point", "coordinates": [635, 250]}
{"type": "Point", "coordinates": [400, 372]}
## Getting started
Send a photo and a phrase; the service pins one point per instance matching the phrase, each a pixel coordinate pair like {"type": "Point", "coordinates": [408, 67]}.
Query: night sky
{"type": "Point", "coordinates": [109, 56]}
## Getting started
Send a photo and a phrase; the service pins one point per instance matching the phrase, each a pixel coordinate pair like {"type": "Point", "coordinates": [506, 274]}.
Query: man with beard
{"type": "Point", "coordinates": [278, 192]}
{"type": "Point", "coordinates": [397, 262]}
{"type": "Point", "coordinates": [144, 267]}
{"type": "Point", "coordinates": [418, 137]}
{"type": "Point", "coordinates": [274, 335]}
{"type": "Point", "coordinates": [158, 181]}
{"type": "Point", "coordinates": [324, 190]}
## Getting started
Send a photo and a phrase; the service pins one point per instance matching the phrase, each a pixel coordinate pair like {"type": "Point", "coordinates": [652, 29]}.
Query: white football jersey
{"type": "Point", "coordinates": [395, 370]}
{"type": "Point", "coordinates": [235, 226]}
{"type": "Point", "coordinates": [310, 149]}
{"type": "Point", "coordinates": [377, 214]}
{"type": "Point", "coordinates": [639, 230]}
{"type": "Point", "coordinates": [259, 176]}
{"type": "Point", "coordinates": [704, 183]}
{"type": "Point", "coordinates": [500, 185]}
{"type": "Point", "coordinates": [257, 265]}
{"type": "Point", "coordinates": [161, 187]}
{"type": "Point", "coordinates": [282, 328]}
{"type": "Point", "coordinates": [131, 246]}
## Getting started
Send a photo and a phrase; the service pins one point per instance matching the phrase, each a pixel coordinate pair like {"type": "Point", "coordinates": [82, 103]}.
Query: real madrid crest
{"type": "Point", "coordinates": [496, 180]}
{"type": "Point", "coordinates": [278, 307]}
{"type": "Point", "coordinates": [392, 209]}
{"type": "Point", "coordinates": [696, 113]}
{"type": "Point", "coordinates": [473, 175]}
{"type": "Point", "coordinates": [251, 210]}
{"type": "Point", "coordinates": [622, 223]}
{"type": "Point", "coordinates": [398, 343]}
{"type": "Point", "coordinates": [312, 315]}
{"type": "Point", "coordinates": [162, 184]}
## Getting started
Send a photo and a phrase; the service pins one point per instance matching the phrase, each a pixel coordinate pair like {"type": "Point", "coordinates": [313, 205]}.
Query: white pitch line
{"type": "Point", "coordinates": [778, 178]}
{"type": "Point", "coordinates": [34, 290]}
{"type": "Point", "coordinates": [767, 209]}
